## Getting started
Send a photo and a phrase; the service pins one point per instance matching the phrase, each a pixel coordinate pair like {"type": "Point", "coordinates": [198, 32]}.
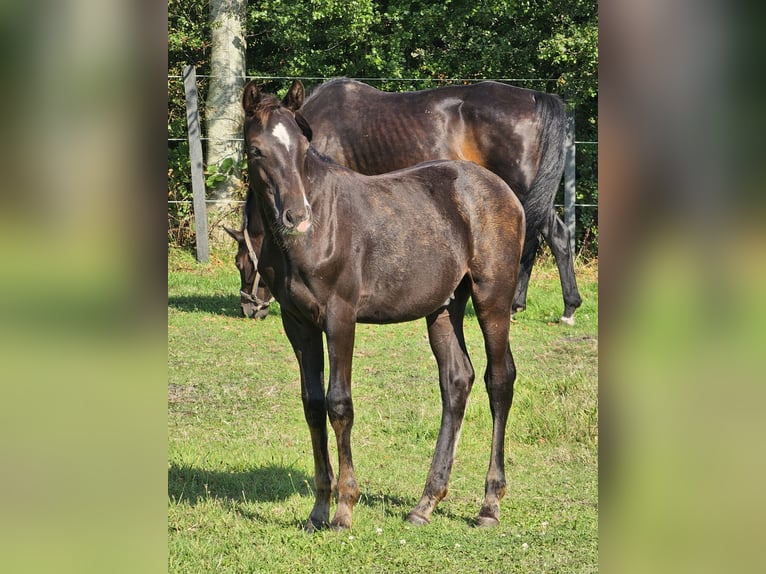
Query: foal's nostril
{"type": "Point", "coordinates": [296, 221]}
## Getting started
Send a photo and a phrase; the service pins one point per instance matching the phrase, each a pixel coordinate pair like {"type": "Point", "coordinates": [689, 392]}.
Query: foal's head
{"type": "Point", "coordinates": [277, 139]}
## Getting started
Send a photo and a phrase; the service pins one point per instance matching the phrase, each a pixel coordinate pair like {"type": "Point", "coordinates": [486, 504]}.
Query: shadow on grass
{"type": "Point", "coordinates": [225, 305]}
{"type": "Point", "coordinates": [399, 507]}
{"type": "Point", "coordinates": [265, 484]}
{"type": "Point", "coordinates": [189, 485]}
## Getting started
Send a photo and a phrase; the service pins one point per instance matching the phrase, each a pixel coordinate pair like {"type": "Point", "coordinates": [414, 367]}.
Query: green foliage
{"type": "Point", "coordinates": [188, 35]}
{"type": "Point", "coordinates": [215, 174]}
{"type": "Point", "coordinates": [550, 46]}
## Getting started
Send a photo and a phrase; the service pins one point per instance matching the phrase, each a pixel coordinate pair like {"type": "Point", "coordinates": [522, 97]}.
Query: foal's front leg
{"type": "Point", "coordinates": [340, 348]}
{"type": "Point", "coordinates": [307, 344]}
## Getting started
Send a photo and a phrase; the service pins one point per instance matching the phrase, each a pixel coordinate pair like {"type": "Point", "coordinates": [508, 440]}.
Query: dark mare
{"type": "Point", "coordinates": [340, 248]}
{"type": "Point", "coordinates": [516, 133]}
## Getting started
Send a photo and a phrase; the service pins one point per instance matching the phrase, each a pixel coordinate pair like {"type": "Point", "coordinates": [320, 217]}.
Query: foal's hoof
{"type": "Point", "coordinates": [417, 519]}
{"type": "Point", "coordinates": [487, 521]}
{"type": "Point", "coordinates": [567, 321]}
{"type": "Point", "coordinates": [339, 527]}
{"type": "Point", "coordinates": [312, 526]}
{"type": "Point", "coordinates": [340, 523]}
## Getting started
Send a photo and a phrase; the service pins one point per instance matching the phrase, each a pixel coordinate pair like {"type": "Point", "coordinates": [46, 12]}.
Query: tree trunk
{"type": "Point", "coordinates": [223, 109]}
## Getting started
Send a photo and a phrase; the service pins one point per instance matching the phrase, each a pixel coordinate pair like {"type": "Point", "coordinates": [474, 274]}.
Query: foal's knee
{"type": "Point", "coordinates": [314, 409]}
{"type": "Point", "coordinates": [501, 383]}
{"type": "Point", "coordinates": [339, 405]}
{"type": "Point", "coordinates": [460, 380]}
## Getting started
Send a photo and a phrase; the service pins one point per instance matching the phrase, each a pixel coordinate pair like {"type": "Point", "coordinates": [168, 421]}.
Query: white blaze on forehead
{"type": "Point", "coordinates": [280, 132]}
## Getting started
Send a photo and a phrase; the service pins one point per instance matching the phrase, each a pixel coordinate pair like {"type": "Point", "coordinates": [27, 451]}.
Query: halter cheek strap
{"type": "Point", "coordinates": [252, 297]}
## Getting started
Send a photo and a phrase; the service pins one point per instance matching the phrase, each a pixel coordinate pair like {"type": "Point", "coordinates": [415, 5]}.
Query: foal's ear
{"type": "Point", "coordinates": [238, 236]}
{"type": "Point", "coordinates": [295, 96]}
{"type": "Point", "coordinates": [304, 125]}
{"type": "Point", "coordinates": [250, 97]}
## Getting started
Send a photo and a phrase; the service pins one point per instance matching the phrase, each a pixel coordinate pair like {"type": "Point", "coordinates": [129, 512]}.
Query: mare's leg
{"type": "Point", "coordinates": [525, 271]}
{"type": "Point", "coordinates": [307, 344]}
{"type": "Point", "coordinates": [340, 348]}
{"type": "Point", "coordinates": [456, 376]}
{"type": "Point", "coordinates": [492, 312]}
{"type": "Point", "coordinates": [557, 235]}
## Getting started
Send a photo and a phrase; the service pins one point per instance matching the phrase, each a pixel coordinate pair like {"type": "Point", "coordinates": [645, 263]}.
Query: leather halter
{"type": "Point", "coordinates": [251, 297]}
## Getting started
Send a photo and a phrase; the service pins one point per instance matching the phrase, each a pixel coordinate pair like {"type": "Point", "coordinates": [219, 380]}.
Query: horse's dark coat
{"type": "Point", "coordinates": [341, 248]}
{"type": "Point", "coordinates": [516, 133]}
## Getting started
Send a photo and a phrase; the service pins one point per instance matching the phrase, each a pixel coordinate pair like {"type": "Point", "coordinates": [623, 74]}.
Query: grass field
{"type": "Point", "coordinates": [239, 457]}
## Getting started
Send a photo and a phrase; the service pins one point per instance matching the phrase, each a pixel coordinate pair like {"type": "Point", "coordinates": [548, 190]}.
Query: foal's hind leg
{"type": "Point", "coordinates": [492, 313]}
{"type": "Point", "coordinates": [456, 375]}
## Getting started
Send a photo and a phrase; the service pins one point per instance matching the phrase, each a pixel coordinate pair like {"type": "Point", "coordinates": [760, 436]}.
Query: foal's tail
{"type": "Point", "coordinates": [542, 193]}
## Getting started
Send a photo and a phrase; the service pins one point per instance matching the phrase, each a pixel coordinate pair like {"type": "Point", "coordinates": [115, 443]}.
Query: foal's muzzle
{"type": "Point", "coordinates": [297, 221]}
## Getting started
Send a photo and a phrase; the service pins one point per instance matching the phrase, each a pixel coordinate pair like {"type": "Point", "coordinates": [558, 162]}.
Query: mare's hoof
{"type": "Point", "coordinates": [568, 321]}
{"type": "Point", "coordinates": [487, 521]}
{"type": "Point", "coordinates": [417, 519]}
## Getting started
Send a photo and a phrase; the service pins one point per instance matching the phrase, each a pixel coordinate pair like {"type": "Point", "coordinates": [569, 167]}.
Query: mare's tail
{"type": "Point", "coordinates": [542, 193]}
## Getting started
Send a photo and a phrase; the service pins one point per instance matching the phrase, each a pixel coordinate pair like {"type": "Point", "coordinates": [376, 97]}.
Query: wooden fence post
{"type": "Point", "coordinates": [195, 154]}
{"type": "Point", "coordinates": [569, 179]}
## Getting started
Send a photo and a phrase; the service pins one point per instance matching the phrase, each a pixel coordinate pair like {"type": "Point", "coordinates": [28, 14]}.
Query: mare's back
{"type": "Point", "coordinates": [374, 132]}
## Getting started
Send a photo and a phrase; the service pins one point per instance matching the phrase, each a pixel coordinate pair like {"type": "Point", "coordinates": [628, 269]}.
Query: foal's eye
{"type": "Point", "coordinates": [255, 152]}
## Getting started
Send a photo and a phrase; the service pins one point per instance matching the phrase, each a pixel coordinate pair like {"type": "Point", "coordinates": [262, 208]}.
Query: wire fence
{"type": "Point", "coordinates": [194, 137]}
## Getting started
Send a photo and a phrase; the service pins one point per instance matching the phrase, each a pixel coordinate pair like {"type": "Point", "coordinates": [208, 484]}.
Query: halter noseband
{"type": "Point", "coordinates": [251, 297]}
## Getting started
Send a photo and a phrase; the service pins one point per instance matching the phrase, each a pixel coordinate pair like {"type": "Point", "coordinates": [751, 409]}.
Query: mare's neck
{"type": "Point", "coordinates": [320, 174]}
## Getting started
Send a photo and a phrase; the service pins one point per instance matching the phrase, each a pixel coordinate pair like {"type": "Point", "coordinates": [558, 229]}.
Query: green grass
{"type": "Point", "coordinates": [240, 467]}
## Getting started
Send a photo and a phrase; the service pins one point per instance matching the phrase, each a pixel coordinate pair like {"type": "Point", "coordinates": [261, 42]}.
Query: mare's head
{"type": "Point", "coordinates": [254, 296]}
{"type": "Point", "coordinates": [277, 140]}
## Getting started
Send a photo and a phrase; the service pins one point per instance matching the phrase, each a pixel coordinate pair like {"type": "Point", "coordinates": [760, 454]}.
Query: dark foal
{"type": "Point", "coordinates": [341, 248]}
{"type": "Point", "coordinates": [514, 132]}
